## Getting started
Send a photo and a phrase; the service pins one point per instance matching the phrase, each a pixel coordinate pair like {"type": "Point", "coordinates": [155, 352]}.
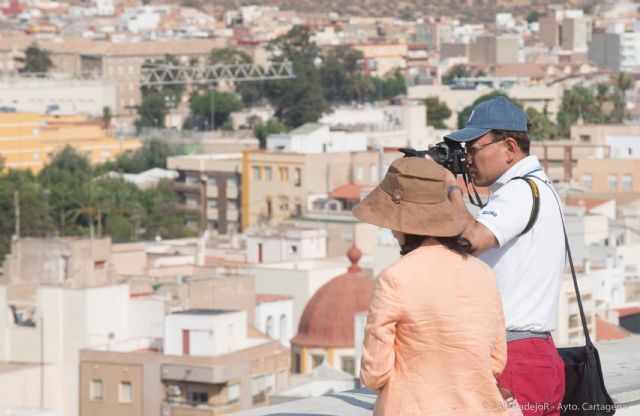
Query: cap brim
{"type": "Point", "coordinates": [467, 134]}
{"type": "Point", "coordinates": [436, 220]}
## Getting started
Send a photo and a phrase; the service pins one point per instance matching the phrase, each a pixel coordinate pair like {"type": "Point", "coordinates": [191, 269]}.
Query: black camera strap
{"type": "Point", "coordinates": [467, 181]}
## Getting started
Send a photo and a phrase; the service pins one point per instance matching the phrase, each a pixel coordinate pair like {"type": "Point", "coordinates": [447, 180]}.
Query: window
{"type": "Point", "coordinates": [191, 179]}
{"type": "Point", "coordinates": [296, 362]}
{"type": "Point", "coordinates": [99, 265]}
{"type": "Point", "coordinates": [613, 181]}
{"type": "Point", "coordinates": [284, 174]}
{"type": "Point", "coordinates": [316, 360]}
{"type": "Point", "coordinates": [359, 173]}
{"type": "Point", "coordinates": [586, 180]}
{"type": "Point", "coordinates": [348, 365]}
{"type": "Point", "coordinates": [298, 209]}
{"type": "Point", "coordinates": [283, 328]}
{"type": "Point", "coordinates": [213, 203]}
{"type": "Point", "coordinates": [95, 390]}
{"type": "Point", "coordinates": [373, 173]}
{"type": "Point", "coordinates": [585, 138]}
{"type": "Point", "coordinates": [270, 383]}
{"type": "Point", "coordinates": [267, 174]}
{"type": "Point", "coordinates": [125, 394]}
{"type": "Point", "coordinates": [191, 201]}
{"type": "Point", "coordinates": [258, 389]}
{"type": "Point", "coordinates": [233, 393]}
{"type": "Point", "coordinates": [196, 397]}
{"type": "Point", "coordinates": [298, 176]}
{"type": "Point", "coordinates": [255, 173]}
{"type": "Point", "coordinates": [284, 203]}
{"type": "Point", "coordinates": [212, 180]}
{"type": "Point", "coordinates": [293, 249]}
{"type": "Point", "coordinates": [627, 182]}
{"type": "Point", "coordinates": [232, 182]}
{"type": "Point", "coordinates": [270, 326]}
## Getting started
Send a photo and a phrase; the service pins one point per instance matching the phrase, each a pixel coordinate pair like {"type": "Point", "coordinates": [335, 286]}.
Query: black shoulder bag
{"type": "Point", "coordinates": [585, 393]}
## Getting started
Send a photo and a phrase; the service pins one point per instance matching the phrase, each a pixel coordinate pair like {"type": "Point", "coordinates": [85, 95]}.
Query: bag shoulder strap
{"type": "Point", "coordinates": [583, 318]}
{"type": "Point", "coordinates": [535, 209]}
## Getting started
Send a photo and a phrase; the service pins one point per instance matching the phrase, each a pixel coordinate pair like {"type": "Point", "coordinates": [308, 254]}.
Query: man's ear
{"type": "Point", "coordinates": [512, 148]}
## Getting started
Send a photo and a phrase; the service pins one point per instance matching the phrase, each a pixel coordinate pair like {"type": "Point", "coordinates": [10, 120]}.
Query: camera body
{"type": "Point", "coordinates": [448, 153]}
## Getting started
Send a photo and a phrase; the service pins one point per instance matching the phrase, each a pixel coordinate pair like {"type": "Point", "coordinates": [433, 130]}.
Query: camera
{"type": "Point", "coordinates": [448, 153]}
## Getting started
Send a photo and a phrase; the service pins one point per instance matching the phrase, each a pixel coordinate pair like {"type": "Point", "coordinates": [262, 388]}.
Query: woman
{"type": "Point", "coordinates": [435, 336]}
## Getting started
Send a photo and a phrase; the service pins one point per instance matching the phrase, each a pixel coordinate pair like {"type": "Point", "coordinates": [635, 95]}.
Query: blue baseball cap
{"type": "Point", "coordinates": [496, 114]}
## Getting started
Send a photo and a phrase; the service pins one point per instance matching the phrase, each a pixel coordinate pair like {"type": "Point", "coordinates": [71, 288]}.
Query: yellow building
{"type": "Point", "coordinates": [381, 59]}
{"type": "Point", "coordinates": [30, 140]}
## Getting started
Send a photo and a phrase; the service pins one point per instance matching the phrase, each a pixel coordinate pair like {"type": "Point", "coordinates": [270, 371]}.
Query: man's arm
{"type": "Point", "coordinates": [481, 238]}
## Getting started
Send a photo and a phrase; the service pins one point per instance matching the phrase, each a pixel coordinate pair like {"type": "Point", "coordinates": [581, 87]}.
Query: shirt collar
{"type": "Point", "coordinates": [522, 168]}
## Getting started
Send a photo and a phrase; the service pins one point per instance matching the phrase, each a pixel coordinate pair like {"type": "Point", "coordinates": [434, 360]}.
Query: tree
{"type": "Point", "coordinates": [437, 112]}
{"type": "Point", "coordinates": [533, 16]}
{"type": "Point", "coordinates": [541, 127]}
{"type": "Point", "coordinates": [224, 104]}
{"type": "Point", "coordinates": [339, 70]}
{"type": "Point", "coordinates": [152, 111]}
{"type": "Point", "coordinates": [391, 85]}
{"type": "Point", "coordinates": [64, 176]}
{"type": "Point", "coordinates": [37, 60]}
{"type": "Point", "coordinates": [262, 131]}
{"type": "Point", "coordinates": [161, 215]}
{"type": "Point", "coordinates": [458, 71]}
{"type": "Point", "coordinates": [106, 116]}
{"type": "Point", "coordinates": [579, 103]}
{"type": "Point", "coordinates": [152, 154]}
{"type": "Point", "coordinates": [300, 100]}
{"type": "Point", "coordinates": [463, 116]}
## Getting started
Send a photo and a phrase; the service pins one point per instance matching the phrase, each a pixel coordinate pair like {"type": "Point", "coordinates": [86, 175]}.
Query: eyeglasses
{"type": "Point", "coordinates": [472, 150]}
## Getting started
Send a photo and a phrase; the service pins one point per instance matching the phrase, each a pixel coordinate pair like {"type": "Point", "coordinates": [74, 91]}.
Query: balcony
{"type": "Point", "coordinates": [619, 362]}
{"type": "Point", "coordinates": [183, 187]}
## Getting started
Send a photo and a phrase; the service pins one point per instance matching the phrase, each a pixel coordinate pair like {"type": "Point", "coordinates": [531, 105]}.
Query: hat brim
{"type": "Point", "coordinates": [436, 220]}
{"type": "Point", "coordinates": [467, 134]}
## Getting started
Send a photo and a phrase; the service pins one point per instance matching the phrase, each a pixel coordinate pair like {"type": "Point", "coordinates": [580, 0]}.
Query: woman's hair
{"type": "Point", "coordinates": [457, 244]}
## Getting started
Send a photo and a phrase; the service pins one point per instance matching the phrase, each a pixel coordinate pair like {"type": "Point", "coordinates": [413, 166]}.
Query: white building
{"type": "Point", "coordinates": [206, 332]}
{"type": "Point", "coordinates": [317, 138]}
{"type": "Point", "coordinates": [104, 7]}
{"type": "Point", "coordinates": [298, 279]}
{"type": "Point", "coordinates": [403, 125]}
{"type": "Point", "coordinates": [274, 317]}
{"type": "Point", "coordinates": [44, 95]}
{"type": "Point", "coordinates": [285, 243]}
{"type": "Point", "coordinates": [40, 340]}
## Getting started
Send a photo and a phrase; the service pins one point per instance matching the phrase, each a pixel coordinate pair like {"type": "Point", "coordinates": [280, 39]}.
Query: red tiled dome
{"type": "Point", "coordinates": [327, 320]}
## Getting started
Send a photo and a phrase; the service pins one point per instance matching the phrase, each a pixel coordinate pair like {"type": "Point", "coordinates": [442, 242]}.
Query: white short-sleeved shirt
{"type": "Point", "coordinates": [529, 268]}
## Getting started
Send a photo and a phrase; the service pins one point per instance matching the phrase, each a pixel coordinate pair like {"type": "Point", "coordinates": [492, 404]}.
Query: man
{"type": "Point", "coordinates": [529, 267]}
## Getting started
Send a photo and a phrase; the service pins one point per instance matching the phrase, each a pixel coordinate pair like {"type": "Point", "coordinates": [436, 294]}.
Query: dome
{"type": "Point", "coordinates": [327, 320]}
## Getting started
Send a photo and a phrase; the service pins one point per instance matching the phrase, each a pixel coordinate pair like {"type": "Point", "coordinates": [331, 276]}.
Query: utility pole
{"type": "Point", "coordinates": [16, 207]}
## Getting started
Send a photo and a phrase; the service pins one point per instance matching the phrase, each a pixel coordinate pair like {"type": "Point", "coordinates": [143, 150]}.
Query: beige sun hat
{"type": "Point", "coordinates": [412, 198]}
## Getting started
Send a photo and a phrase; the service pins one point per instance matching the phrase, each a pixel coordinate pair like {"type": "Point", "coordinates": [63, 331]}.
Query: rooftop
{"type": "Point", "coordinates": [619, 363]}
{"type": "Point", "coordinates": [202, 312]}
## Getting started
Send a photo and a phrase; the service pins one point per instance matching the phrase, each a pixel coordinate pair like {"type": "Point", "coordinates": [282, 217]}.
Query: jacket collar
{"type": "Point", "coordinates": [524, 167]}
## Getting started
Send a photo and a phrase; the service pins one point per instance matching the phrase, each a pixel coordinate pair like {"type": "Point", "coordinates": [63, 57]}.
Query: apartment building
{"type": "Point", "coordinates": [29, 140]}
{"type": "Point", "coordinates": [208, 363]}
{"type": "Point", "coordinates": [381, 59]}
{"type": "Point", "coordinates": [495, 49]}
{"type": "Point", "coordinates": [210, 186]}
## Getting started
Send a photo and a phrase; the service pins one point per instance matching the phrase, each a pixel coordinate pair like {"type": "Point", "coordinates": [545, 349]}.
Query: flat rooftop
{"type": "Point", "coordinates": [203, 312]}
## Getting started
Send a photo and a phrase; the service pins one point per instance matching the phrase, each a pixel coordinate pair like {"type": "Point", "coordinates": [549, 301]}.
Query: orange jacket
{"type": "Point", "coordinates": [435, 336]}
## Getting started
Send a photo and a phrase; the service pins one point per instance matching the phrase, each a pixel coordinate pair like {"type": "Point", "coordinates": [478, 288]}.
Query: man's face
{"type": "Point", "coordinates": [488, 159]}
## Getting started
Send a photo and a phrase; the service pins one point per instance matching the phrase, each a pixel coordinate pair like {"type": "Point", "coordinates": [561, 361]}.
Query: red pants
{"type": "Point", "coordinates": [535, 375]}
